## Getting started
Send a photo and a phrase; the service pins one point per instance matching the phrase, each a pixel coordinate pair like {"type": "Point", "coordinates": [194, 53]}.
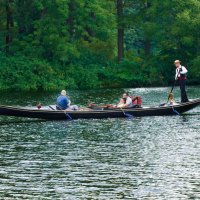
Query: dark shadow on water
{"type": "Point", "coordinates": [22, 121]}
{"type": "Point", "coordinates": [184, 118]}
{"type": "Point", "coordinates": [190, 114]}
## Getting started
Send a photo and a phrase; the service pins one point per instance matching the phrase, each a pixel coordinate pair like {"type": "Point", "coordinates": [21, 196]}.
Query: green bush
{"type": "Point", "coordinates": [25, 73]}
{"type": "Point", "coordinates": [22, 73]}
{"type": "Point", "coordinates": [194, 72]}
{"type": "Point", "coordinates": [84, 77]}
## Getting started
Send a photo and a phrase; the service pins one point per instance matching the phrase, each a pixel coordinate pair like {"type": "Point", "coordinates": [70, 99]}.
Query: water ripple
{"type": "Point", "coordinates": [145, 158]}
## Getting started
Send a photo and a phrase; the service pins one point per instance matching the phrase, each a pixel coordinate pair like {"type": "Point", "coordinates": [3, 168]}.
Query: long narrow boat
{"type": "Point", "coordinates": [52, 114]}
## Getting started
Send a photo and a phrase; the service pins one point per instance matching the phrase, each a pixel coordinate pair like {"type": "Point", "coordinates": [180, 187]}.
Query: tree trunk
{"type": "Point", "coordinates": [9, 25]}
{"type": "Point", "coordinates": [147, 47]}
{"type": "Point", "coordinates": [147, 42]}
{"type": "Point", "coordinates": [70, 20]}
{"type": "Point", "coordinates": [120, 34]}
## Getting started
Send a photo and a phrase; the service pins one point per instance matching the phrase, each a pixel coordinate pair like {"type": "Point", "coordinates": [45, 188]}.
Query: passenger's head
{"type": "Point", "coordinates": [171, 96]}
{"type": "Point", "coordinates": [177, 63]}
{"type": "Point", "coordinates": [125, 95]}
{"type": "Point", "coordinates": [63, 92]}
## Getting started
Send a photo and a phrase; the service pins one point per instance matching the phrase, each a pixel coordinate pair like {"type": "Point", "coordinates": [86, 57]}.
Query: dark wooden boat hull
{"type": "Point", "coordinates": [97, 114]}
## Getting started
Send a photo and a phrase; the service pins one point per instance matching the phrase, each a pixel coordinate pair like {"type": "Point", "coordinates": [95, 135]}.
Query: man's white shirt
{"type": "Point", "coordinates": [129, 101]}
{"type": "Point", "coordinates": [178, 74]}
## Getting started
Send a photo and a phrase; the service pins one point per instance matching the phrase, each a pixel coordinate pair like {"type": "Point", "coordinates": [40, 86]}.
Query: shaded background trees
{"type": "Point", "coordinates": [91, 43]}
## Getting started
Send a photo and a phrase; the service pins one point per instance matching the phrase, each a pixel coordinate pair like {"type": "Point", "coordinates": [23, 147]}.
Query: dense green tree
{"type": "Point", "coordinates": [120, 31]}
{"type": "Point", "coordinates": [159, 32]}
{"type": "Point", "coordinates": [79, 42]}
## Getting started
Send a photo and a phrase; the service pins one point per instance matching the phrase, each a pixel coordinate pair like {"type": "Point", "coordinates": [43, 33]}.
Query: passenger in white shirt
{"type": "Point", "coordinates": [125, 102]}
{"type": "Point", "coordinates": [181, 72]}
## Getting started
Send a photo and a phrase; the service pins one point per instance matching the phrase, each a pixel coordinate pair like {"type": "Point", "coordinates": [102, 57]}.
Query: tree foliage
{"type": "Point", "coordinates": [47, 44]}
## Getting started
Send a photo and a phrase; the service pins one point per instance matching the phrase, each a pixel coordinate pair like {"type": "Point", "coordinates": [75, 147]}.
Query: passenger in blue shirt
{"type": "Point", "coordinates": [63, 102]}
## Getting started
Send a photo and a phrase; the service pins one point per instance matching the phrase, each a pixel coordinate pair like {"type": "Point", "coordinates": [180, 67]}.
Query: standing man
{"type": "Point", "coordinates": [181, 72]}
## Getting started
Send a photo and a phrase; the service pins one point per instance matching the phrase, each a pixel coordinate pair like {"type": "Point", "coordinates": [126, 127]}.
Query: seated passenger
{"type": "Point", "coordinates": [171, 99]}
{"type": "Point", "coordinates": [63, 102]}
{"type": "Point", "coordinates": [125, 102]}
{"type": "Point", "coordinates": [121, 103]}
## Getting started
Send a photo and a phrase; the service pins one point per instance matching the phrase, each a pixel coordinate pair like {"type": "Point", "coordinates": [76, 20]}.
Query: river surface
{"type": "Point", "coordinates": [143, 158]}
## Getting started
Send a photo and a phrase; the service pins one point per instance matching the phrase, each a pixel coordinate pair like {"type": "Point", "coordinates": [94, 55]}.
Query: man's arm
{"type": "Point", "coordinates": [183, 70]}
{"type": "Point", "coordinates": [128, 102]}
{"type": "Point", "coordinates": [136, 98]}
{"type": "Point", "coordinates": [67, 101]}
{"type": "Point", "coordinates": [177, 73]}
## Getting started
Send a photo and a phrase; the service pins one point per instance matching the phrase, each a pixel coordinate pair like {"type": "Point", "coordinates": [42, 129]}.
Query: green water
{"type": "Point", "coordinates": [144, 158]}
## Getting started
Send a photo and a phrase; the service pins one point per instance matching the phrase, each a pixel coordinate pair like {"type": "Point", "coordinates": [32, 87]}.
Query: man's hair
{"type": "Point", "coordinates": [127, 94]}
{"type": "Point", "coordinates": [63, 92]}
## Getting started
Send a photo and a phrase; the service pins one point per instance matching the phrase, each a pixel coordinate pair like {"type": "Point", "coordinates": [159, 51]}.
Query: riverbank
{"type": "Point", "coordinates": [30, 74]}
{"type": "Point", "coordinates": [84, 97]}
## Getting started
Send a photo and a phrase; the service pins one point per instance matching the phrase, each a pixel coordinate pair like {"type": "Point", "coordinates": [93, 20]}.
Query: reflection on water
{"type": "Point", "coordinates": [144, 158]}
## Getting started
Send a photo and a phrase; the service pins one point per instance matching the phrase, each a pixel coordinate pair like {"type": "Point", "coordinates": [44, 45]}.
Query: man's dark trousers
{"type": "Point", "coordinates": [184, 97]}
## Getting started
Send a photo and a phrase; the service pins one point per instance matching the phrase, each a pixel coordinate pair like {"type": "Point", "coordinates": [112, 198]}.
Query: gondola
{"type": "Point", "coordinates": [50, 113]}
